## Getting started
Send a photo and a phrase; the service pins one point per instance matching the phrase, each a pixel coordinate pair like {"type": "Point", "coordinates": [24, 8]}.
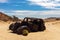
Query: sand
{"type": "Point", "coordinates": [52, 32]}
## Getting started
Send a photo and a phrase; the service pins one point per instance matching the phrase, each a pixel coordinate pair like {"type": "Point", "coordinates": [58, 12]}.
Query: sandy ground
{"type": "Point", "coordinates": [52, 32]}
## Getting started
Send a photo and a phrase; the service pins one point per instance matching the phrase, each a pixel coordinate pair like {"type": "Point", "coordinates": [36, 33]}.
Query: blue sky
{"type": "Point", "coordinates": [20, 5]}
{"type": "Point", "coordinates": [24, 7]}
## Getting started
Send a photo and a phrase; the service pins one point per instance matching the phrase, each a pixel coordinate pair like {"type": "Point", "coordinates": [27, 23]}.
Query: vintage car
{"type": "Point", "coordinates": [28, 25]}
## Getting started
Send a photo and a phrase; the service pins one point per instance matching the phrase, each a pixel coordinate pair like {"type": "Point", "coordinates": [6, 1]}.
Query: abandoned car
{"type": "Point", "coordinates": [28, 25]}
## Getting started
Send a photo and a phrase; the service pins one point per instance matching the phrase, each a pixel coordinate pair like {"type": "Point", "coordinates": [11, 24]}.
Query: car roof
{"type": "Point", "coordinates": [33, 18]}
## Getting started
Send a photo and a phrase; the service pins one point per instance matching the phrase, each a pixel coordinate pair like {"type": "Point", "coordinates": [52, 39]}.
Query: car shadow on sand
{"type": "Point", "coordinates": [25, 35]}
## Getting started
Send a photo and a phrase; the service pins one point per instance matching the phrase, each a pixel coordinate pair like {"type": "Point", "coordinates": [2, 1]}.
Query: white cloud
{"type": "Point", "coordinates": [38, 14]}
{"type": "Point", "coordinates": [46, 3]}
{"type": "Point", "coordinates": [27, 13]}
{"type": "Point", "coordinates": [3, 1]}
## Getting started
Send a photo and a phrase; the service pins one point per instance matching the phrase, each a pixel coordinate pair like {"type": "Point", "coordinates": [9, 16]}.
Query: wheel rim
{"type": "Point", "coordinates": [25, 32]}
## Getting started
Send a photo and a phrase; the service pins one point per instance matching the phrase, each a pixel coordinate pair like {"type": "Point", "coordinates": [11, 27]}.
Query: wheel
{"type": "Point", "coordinates": [42, 28]}
{"type": "Point", "coordinates": [11, 26]}
{"type": "Point", "coordinates": [25, 32]}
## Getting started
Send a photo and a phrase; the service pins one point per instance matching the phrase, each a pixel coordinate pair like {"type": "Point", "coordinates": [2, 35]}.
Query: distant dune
{"type": "Point", "coordinates": [51, 19]}
{"type": "Point", "coordinates": [5, 17]}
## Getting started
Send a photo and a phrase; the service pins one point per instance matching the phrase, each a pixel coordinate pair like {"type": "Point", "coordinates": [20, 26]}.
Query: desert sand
{"type": "Point", "coordinates": [52, 32]}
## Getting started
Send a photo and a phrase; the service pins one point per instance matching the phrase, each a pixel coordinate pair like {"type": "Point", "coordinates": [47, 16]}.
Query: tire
{"type": "Point", "coordinates": [11, 26]}
{"type": "Point", "coordinates": [42, 28]}
{"type": "Point", "coordinates": [25, 32]}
